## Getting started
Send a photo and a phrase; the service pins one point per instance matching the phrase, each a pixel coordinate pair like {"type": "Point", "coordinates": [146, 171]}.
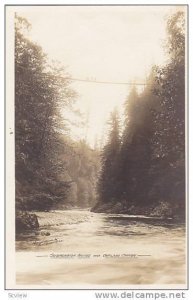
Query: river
{"type": "Point", "coordinates": [81, 249]}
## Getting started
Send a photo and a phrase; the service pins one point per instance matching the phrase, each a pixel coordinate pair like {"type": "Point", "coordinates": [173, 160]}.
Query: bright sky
{"type": "Point", "coordinates": [108, 43]}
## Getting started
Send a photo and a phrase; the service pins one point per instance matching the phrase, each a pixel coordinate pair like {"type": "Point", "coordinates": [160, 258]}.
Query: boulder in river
{"type": "Point", "coordinates": [26, 221]}
{"type": "Point", "coordinates": [45, 233]}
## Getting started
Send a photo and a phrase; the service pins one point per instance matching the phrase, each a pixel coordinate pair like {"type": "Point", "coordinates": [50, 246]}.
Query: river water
{"type": "Point", "coordinates": [81, 249]}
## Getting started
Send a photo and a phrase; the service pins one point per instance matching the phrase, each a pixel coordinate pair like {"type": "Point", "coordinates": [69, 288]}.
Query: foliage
{"type": "Point", "coordinates": [40, 91]}
{"type": "Point", "coordinates": [108, 183]}
{"type": "Point", "coordinates": [168, 141]}
{"type": "Point", "coordinates": [147, 166]}
{"type": "Point", "coordinates": [83, 164]}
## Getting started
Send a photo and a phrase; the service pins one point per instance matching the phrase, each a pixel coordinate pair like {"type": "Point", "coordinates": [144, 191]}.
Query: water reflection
{"type": "Point", "coordinates": [53, 226]}
{"type": "Point", "coordinates": [135, 225]}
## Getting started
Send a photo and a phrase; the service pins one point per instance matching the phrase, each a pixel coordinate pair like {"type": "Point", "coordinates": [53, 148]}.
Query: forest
{"type": "Point", "coordinates": [51, 170]}
{"type": "Point", "coordinates": [143, 168]}
{"type": "Point", "coordinates": [140, 170]}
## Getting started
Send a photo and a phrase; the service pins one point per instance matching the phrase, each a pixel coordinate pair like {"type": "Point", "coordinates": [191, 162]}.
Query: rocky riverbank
{"type": "Point", "coordinates": [162, 209]}
{"type": "Point", "coordinates": [26, 221]}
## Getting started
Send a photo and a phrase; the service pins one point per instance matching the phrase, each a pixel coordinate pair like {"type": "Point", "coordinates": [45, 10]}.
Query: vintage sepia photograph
{"type": "Point", "coordinates": [96, 106]}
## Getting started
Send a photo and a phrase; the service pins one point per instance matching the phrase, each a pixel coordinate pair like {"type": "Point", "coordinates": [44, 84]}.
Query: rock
{"type": "Point", "coordinates": [26, 221]}
{"type": "Point", "coordinates": [162, 209]}
{"type": "Point", "coordinates": [46, 233]}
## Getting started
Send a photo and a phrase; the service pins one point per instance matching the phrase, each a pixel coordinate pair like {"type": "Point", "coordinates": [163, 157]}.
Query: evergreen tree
{"type": "Point", "coordinates": [40, 92]}
{"type": "Point", "coordinates": [107, 186]}
{"type": "Point", "coordinates": [168, 142]}
{"type": "Point", "coordinates": [135, 154]}
{"type": "Point", "coordinates": [170, 120]}
{"type": "Point", "coordinates": [150, 165]}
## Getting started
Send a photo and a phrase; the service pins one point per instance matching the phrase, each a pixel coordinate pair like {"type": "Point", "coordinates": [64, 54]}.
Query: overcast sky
{"type": "Point", "coordinates": [111, 43]}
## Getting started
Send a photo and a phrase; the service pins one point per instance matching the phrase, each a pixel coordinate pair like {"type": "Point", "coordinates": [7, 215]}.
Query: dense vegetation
{"type": "Point", "coordinates": [143, 169]}
{"type": "Point", "coordinates": [50, 169]}
{"type": "Point", "coordinates": [82, 167]}
{"type": "Point", "coordinates": [143, 162]}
